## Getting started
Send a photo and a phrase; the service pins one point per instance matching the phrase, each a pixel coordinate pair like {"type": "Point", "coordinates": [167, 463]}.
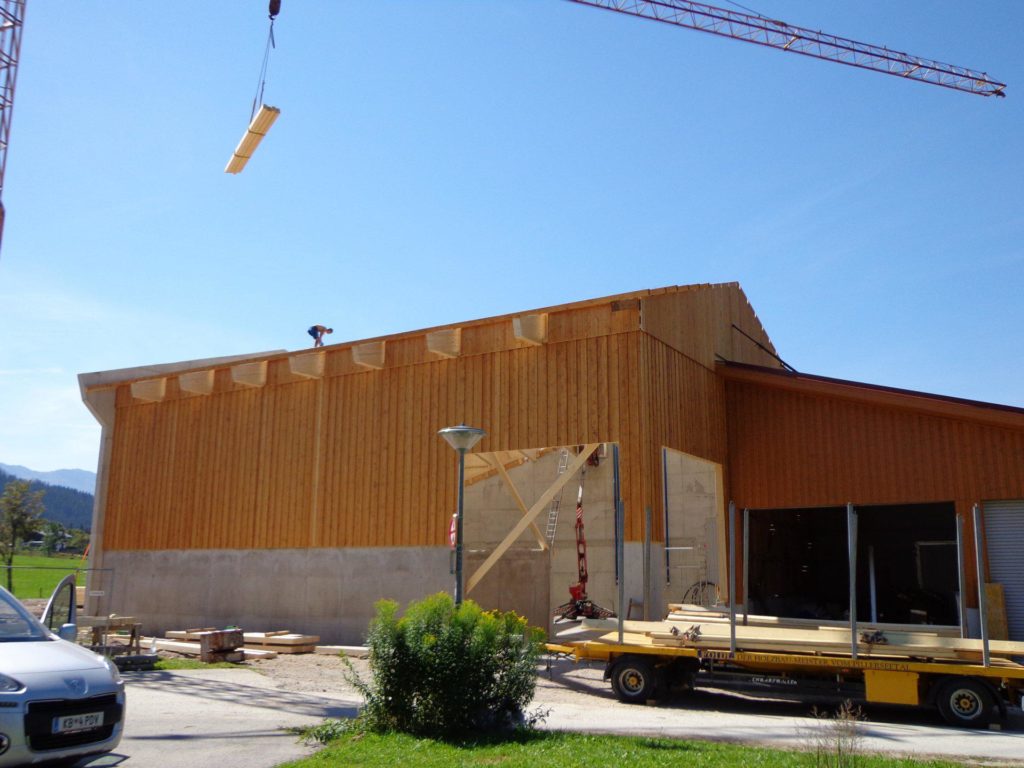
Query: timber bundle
{"type": "Point", "coordinates": [693, 626]}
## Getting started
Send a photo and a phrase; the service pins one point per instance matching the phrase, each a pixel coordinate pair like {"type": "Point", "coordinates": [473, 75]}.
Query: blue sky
{"type": "Point", "coordinates": [447, 160]}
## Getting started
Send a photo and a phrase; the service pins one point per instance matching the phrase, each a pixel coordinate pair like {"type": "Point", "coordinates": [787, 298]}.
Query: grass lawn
{"type": "Point", "coordinates": [41, 575]}
{"type": "Point", "coordinates": [170, 664]}
{"type": "Point", "coordinates": [544, 749]}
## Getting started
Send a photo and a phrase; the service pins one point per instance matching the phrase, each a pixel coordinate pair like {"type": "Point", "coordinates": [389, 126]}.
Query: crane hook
{"type": "Point", "coordinates": [274, 8]}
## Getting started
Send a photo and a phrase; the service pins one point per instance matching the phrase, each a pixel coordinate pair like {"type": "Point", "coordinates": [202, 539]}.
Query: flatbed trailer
{"type": "Point", "coordinates": [966, 693]}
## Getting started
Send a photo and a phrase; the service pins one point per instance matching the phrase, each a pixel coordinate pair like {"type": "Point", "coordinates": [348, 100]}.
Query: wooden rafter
{"type": "Point", "coordinates": [536, 509]}
{"type": "Point", "coordinates": [518, 499]}
{"type": "Point", "coordinates": [479, 468]}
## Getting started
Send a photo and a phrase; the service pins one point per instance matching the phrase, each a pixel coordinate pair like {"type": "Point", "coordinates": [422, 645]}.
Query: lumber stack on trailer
{"type": "Point", "coordinates": [709, 632]}
{"type": "Point", "coordinates": [720, 615]}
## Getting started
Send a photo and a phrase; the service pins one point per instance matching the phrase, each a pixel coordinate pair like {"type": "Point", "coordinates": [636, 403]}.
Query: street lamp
{"type": "Point", "coordinates": [461, 438]}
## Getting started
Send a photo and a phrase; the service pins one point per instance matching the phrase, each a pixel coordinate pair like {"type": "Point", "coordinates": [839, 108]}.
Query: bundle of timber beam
{"type": "Point", "coordinates": [208, 644]}
{"type": "Point", "coordinates": [281, 641]}
{"type": "Point", "coordinates": [720, 614]}
{"type": "Point", "coordinates": [683, 630]}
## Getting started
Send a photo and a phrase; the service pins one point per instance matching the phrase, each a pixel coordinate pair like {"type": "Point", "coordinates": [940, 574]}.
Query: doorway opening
{"type": "Point", "coordinates": [907, 569]}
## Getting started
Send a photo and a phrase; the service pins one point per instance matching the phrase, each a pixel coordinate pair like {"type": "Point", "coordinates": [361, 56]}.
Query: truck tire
{"type": "Point", "coordinates": [633, 679]}
{"type": "Point", "coordinates": [965, 702]}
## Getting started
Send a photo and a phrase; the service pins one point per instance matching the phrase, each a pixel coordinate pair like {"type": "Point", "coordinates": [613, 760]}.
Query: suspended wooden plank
{"type": "Point", "coordinates": [257, 129]}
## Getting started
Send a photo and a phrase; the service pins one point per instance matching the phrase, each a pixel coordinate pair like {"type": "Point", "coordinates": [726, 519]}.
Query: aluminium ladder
{"type": "Point", "coordinates": [563, 462]}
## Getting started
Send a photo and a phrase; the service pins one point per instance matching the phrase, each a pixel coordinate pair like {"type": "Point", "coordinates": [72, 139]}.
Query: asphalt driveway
{"type": "Point", "coordinates": [229, 718]}
{"type": "Point", "coordinates": [235, 718]}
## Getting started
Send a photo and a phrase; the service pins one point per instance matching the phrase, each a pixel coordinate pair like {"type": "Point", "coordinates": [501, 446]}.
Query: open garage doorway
{"type": "Point", "coordinates": [694, 546]}
{"type": "Point", "coordinates": [907, 569]}
{"type": "Point", "coordinates": [531, 573]}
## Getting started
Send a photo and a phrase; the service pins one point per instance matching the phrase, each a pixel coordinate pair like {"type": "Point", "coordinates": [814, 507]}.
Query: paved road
{"type": "Point", "coordinates": [235, 718]}
{"type": "Point", "coordinates": [728, 717]}
{"type": "Point", "coordinates": [228, 718]}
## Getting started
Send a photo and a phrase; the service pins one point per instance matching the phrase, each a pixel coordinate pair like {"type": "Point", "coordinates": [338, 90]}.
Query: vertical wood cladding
{"type": "Point", "coordinates": [353, 459]}
{"type": "Point", "coordinates": [236, 468]}
{"type": "Point", "coordinates": [789, 449]}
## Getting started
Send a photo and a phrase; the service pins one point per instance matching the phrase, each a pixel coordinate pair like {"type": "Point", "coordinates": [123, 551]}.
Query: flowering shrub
{"type": "Point", "coordinates": [442, 670]}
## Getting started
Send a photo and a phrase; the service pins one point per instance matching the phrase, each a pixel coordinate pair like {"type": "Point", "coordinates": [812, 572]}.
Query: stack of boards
{"type": "Point", "coordinates": [709, 628]}
{"type": "Point", "coordinates": [257, 645]}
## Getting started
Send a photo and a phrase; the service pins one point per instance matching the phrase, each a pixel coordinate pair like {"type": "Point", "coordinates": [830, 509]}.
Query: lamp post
{"type": "Point", "coordinates": [461, 438]}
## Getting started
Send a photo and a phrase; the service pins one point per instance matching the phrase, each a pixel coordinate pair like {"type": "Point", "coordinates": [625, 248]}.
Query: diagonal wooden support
{"type": "Point", "coordinates": [518, 499]}
{"type": "Point", "coordinates": [538, 506]}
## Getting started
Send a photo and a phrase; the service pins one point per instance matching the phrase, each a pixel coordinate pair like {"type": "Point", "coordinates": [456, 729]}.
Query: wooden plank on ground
{"type": "Point", "coordinates": [281, 648]}
{"type": "Point", "coordinates": [193, 649]}
{"type": "Point", "coordinates": [279, 638]}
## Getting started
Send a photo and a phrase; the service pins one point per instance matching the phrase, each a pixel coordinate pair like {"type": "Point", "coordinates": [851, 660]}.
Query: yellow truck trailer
{"type": "Point", "coordinates": [965, 692]}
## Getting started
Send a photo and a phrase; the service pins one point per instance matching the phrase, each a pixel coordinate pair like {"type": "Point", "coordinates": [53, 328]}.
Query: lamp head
{"type": "Point", "coordinates": [462, 438]}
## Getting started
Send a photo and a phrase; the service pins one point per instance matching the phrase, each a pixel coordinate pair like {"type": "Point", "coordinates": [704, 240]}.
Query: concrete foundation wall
{"type": "Point", "coordinates": [325, 592]}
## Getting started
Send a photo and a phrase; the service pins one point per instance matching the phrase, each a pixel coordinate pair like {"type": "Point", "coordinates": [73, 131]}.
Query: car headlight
{"type": "Point", "coordinates": [111, 668]}
{"type": "Point", "coordinates": [9, 684]}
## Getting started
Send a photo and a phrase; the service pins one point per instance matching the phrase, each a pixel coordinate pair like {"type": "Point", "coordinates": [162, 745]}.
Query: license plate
{"type": "Point", "coordinates": [83, 722]}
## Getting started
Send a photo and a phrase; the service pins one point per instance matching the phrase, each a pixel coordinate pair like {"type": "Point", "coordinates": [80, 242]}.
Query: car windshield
{"type": "Point", "coordinates": [16, 623]}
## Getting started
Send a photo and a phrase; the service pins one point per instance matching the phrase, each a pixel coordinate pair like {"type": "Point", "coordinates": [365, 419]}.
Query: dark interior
{"type": "Point", "coordinates": [799, 566]}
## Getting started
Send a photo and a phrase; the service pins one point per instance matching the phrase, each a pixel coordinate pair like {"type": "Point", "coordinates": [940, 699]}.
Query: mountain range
{"type": "Point", "coordinates": [71, 507]}
{"type": "Point", "coordinates": [78, 479]}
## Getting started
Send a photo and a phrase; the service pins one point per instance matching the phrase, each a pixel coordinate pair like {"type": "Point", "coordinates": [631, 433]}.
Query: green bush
{"type": "Point", "coordinates": [444, 671]}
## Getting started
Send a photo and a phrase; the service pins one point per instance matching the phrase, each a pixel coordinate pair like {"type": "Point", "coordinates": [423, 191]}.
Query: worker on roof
{"type": "Point", "coordinates": [317, 332]}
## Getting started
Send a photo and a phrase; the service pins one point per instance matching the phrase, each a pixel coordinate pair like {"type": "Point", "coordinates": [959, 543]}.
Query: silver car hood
{"type": "Point", "coordinates": [35, 656]}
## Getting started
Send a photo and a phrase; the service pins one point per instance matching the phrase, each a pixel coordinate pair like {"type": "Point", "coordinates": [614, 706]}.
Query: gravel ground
{"type": "Point", "coordinates": [314, 673]}
{"type": "Point", "coordinates": [311, 673]}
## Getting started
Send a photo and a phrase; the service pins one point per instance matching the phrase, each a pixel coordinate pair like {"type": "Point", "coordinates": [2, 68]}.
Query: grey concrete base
{"type": "Point", "coordinates": [325, 592]}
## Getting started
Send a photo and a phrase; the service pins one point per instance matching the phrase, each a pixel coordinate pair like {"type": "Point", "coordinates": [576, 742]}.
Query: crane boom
{"type": "Point", "coordinates": [785, 37]}
{"type": "Point", "coordinates": [12, 14]}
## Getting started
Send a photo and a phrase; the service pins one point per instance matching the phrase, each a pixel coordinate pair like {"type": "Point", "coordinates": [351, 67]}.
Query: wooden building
{"type": "Point", "coordinates": [293, 489]}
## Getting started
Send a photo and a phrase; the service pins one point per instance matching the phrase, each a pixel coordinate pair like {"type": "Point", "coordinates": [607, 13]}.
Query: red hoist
{"type": "Point", "coordinates": [581, 606]}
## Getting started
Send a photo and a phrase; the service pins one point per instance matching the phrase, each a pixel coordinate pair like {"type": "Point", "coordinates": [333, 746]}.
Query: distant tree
{"type": "Point", "coordinates": [20, 510]}
{"type": "Point", "coordinates": [53, 537]}
{"type": "Point", "coordinates": [79, 540]}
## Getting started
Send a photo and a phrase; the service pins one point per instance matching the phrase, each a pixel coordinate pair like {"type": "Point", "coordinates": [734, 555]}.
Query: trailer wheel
{"type": "Point", "coordinates": [633, 679]}
{"type": "Point", "coordinates": [965, 702]}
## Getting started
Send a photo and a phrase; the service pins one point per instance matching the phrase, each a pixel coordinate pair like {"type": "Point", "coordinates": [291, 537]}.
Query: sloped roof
{"type": "Point", "coordinates": [874, 394]}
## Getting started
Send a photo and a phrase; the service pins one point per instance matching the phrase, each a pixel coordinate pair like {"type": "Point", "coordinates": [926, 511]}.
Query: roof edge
{"type": "Point", "coordinates": [939, 405]}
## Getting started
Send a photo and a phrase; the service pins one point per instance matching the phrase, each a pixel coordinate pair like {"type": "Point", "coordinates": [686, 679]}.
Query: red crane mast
{"type": "Point", "coordinates": [785, 37]}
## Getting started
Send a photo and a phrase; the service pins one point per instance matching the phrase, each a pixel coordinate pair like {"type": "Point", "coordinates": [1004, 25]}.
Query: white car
{"type": "Point", "coordinates": [59, 702]}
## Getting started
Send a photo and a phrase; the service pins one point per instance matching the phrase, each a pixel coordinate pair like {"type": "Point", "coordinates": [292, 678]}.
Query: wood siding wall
{"type": "Point", "coordinates": [794, 450]}
{"type": "Point", "coordinates": [353, 459]}
{"type": "Point", "coordinates": [236, 468]}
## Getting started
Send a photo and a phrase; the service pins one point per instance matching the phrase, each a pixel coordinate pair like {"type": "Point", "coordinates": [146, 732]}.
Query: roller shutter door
{"type": "Point", "coordinates": [1004, 532]}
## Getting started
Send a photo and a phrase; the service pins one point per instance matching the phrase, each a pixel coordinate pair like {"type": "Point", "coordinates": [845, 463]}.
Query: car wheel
{"type": "Point", "coordinates": [633, 680]}
{"type": "Point", "coordinates": [966, 703]}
